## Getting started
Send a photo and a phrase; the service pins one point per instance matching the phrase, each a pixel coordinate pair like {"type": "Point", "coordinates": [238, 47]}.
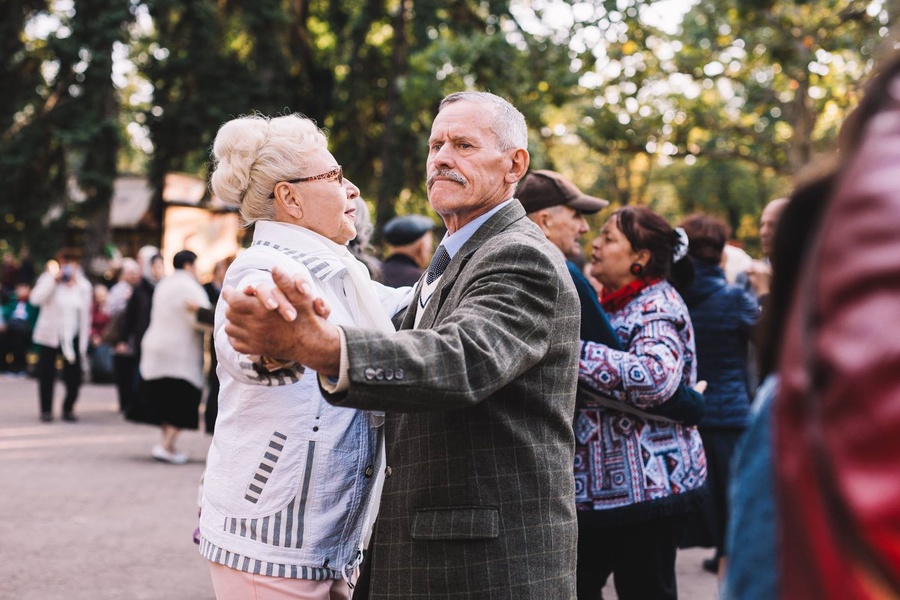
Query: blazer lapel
{"type": "Point", "coordinates": [497, 223]}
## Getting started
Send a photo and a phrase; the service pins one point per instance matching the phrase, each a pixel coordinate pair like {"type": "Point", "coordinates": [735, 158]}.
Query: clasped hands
{"type": "Point", "coordinates": [283, 321]}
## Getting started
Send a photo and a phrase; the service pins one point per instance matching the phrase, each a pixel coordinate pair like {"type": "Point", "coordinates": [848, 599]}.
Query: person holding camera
{"type": "Point", "coordinates": [63, 327]}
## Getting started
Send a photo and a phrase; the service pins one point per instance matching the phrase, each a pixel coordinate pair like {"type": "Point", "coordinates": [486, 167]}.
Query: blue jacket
{"type": "Point", "coordinates": [723, 316]}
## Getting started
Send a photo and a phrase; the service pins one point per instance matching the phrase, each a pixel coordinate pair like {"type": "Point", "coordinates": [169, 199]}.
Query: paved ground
{"type": "Point", "coordinates": [88, 515]}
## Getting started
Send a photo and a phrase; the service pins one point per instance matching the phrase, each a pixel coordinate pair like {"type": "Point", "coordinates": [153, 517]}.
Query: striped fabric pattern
{"type": "Point", "coordinates": [266, 466]}
{"type": "Point", "coordinates": [260, 567]}
{"type": "Point", "coordinates": [286, 376]}
{"type": "Point", "coordinates": [319, 268]}
{"type": "Point", "coordinates": [285, 527]}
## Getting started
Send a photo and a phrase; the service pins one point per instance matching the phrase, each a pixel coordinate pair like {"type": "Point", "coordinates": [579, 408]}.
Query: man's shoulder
{"type": "Point", "coordinates": [522, 234]}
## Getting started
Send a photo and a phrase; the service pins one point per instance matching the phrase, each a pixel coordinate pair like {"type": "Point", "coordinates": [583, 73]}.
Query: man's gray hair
{"type": "Point", "coordinates": [508, 124]}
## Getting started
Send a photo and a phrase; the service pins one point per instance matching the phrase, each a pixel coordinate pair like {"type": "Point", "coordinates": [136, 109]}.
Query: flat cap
{"type": "Point", "coordinates": [543, 189]}
{"type": "Point", "coordinates": [400, 231]}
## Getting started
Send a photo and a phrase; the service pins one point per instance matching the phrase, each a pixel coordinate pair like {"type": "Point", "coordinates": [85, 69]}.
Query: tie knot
{"type": "Point", "coordinates": [439, 263]}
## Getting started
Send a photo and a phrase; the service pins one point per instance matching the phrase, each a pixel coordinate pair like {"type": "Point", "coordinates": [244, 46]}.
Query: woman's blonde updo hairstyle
{"type": "Point", "coordinates": [252, 154]}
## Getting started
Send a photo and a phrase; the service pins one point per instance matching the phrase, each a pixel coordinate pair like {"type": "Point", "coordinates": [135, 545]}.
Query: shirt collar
{"type": "Point", "coordinates": [456, 241]}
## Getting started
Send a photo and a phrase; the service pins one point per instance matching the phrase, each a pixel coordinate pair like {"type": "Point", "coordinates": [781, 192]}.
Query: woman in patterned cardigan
{"type": "Point", "coordinates": [636, 476]}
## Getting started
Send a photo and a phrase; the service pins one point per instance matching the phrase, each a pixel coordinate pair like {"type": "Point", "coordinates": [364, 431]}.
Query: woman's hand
{"type": "Point", "coordinates": [273, 299]}
{"type": "Point", "coordinates": [256, 323]}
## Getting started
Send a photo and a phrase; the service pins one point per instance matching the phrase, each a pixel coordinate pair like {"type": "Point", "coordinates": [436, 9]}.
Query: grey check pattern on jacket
{"type": "Point", "coordinates": [480, 502]}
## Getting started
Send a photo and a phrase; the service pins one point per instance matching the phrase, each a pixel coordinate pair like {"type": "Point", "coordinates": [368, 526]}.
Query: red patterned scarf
{"type": "Point", "coordinates": [619, 299]}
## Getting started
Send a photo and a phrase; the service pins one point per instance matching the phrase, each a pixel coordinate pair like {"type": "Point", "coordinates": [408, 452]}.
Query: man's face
{"type": "Point", "coordinates": [564, 226]}
{"type": "Point", "coordinates": [768, 223]}
{"type": "Point", "coordinates": [467, 172]}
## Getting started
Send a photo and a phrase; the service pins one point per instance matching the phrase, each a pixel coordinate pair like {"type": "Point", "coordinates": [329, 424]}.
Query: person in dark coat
{"type": "Point", "coordinates": [134, 324]}
{"type": "Point", "coordinates": [724, 317]}
{"type": "Point", "coordinates": [410, 246]}
{"type": "Point", "coordinates": [213, 289]}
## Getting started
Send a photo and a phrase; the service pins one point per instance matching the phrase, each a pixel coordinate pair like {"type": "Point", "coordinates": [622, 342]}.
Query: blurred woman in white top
{"type": "Point", "coordinates": [292, 483]}
{"type": "Point", "coordinates": [63, 327]}
{"type": "Point", "coordinates": [172, 355]}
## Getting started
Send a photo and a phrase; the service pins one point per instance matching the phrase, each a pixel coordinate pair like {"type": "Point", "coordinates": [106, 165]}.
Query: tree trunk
{"type": "Point", "coordinates": [391, 179]}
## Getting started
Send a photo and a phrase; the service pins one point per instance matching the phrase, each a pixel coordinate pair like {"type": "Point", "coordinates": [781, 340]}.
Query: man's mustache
{"type": "Point", "coordinates": [449, 174]}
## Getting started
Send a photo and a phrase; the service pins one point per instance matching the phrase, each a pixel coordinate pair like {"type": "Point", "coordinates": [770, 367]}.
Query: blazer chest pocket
{"type": "Point", "coordinates": [456, 523]}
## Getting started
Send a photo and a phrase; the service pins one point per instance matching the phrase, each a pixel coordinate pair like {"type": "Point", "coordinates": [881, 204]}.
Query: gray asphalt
{"type": "Point", "coordinates": [86, 514]}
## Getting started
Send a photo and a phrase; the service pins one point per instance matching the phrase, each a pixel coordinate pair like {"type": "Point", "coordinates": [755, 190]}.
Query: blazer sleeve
{"type": "Point", "coordinates": [500, 327]}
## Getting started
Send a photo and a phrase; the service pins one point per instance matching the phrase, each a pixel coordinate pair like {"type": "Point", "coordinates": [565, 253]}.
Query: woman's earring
{"type": "Point", "coordinates": [637, 269]}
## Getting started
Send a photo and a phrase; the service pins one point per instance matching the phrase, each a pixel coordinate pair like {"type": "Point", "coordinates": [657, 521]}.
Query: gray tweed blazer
{"type": "Point", "coordinates": [480, 498]}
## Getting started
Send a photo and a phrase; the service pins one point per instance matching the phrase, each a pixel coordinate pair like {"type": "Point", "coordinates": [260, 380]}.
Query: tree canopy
{"type": "Point", "coordinates": [715, 111]}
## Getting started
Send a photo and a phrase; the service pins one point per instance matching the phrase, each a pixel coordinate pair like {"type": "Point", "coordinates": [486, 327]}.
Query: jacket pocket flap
{"type": "Point", "coordinates": [456, 523]}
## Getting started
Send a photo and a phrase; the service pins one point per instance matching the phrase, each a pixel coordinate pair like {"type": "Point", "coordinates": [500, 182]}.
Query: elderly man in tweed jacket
{"type": "Point", "coordinates": [479, 384]}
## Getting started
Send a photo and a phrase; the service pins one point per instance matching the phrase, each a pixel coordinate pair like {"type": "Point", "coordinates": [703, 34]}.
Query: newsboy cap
{"type": "Point", "coordinates": [400, 231]}
{"type": "Point", "coordinates": [543, 189]}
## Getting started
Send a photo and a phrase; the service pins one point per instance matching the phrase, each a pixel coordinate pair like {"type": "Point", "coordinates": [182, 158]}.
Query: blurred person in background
{"type": "Point", "coordinates": [758, 278]}
{"type": "Point", "coordinates": [410, 245]}
{"type": "Point", "coordinates": [724, 317]}
{"type": "Point", "coordinates": [99, 352]}
{"type": "Point", "coordinates": [18, 317]}
{"type": "Point", "coordinates": [63, 327]}
{"type": "Point", "coordinates": [735, 261]}
{"type": "Point", "coordinates": [120, 292]}
{"type": "Point", "coordinates": [134, 323]}
{"type": "Point", "coordinates": [129, 277]}
{"type": "Point", "coordinates": [361, 245]}
{"type": "Point", "coordinates": [637, 477]}
{"type": "Point", "coordinates": [172, 356]}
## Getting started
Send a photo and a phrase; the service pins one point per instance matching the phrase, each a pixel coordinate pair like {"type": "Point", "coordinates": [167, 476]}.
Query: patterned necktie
{"type": "Point", "coordinates": [439, 262]}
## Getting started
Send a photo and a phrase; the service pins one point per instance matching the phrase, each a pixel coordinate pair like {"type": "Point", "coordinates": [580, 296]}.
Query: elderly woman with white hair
{"type": "Point", "coordinates": [292, 483]}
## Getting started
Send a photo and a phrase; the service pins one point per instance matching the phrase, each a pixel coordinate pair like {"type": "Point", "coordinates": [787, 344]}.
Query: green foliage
{"type": "Point", "coordinates": [714, 116]}
{"type": "Point", "coordinates": [59, 121]}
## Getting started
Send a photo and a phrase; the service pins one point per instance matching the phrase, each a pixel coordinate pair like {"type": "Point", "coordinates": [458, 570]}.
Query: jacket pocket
{"type": "Point", "coordinates": [456, 523]}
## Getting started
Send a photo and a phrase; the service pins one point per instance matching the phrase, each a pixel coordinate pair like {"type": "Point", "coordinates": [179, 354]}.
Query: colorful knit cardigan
{"type": "Point", "coordinates": [634, 467]}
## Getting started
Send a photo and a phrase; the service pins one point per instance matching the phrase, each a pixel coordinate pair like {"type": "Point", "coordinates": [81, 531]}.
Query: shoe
{"type": "Point", "coordinates": [69, 417]}
{"type": "Point", "coordinates": [46, 417]}
{"type": "Point", "coordinates": [711, 565]}
{"type": "Point", "coordinates": [163, 455]}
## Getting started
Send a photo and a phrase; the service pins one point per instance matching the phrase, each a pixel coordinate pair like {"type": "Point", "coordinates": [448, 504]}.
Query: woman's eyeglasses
{"type": "Point", "coordinates": [335, 174]}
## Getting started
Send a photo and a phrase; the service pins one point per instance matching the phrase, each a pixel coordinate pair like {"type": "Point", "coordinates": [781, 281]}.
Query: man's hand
{"type": "Point", "coordinates": [760, 276]}
{"type": "Point", "coordinates": [256, 323]}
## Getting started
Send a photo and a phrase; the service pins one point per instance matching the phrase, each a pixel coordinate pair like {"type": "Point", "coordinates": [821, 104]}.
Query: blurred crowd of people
{"type": "Point", "coordinates": [69, 328]}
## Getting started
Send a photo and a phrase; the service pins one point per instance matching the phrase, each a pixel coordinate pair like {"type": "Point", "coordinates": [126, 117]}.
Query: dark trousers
{"type": "Point", "coordinates": [46, 374]}
{"type": "Point", "coordinates": [18, 345]}
{"type": "Point", "coordinates": [125, 367]}
{"type": "Point", "coordinates": [18, 338]}
{"type": "Point", "coordinates": [639, 556]}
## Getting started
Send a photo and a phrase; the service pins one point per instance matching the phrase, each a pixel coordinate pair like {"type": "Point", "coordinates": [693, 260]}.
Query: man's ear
{"type": "Point", "coordinates": [518, 165]}
{"type": "Point", "coordinates": [542, 218]}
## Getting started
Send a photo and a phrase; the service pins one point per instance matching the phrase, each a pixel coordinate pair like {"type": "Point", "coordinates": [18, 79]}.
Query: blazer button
{"type": "Point", "coordinates": [388, 374]}
{"type": "Point", "coordinates": [379, 374]}
{"type": "Point", "coordinates": [370, 470]}
{"type": "Point", "coordinates": [370, 373]}
{"type": "Point", "coordinates": [388, 471]}
{"type": "Point", "coordinates": [398, 373]}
